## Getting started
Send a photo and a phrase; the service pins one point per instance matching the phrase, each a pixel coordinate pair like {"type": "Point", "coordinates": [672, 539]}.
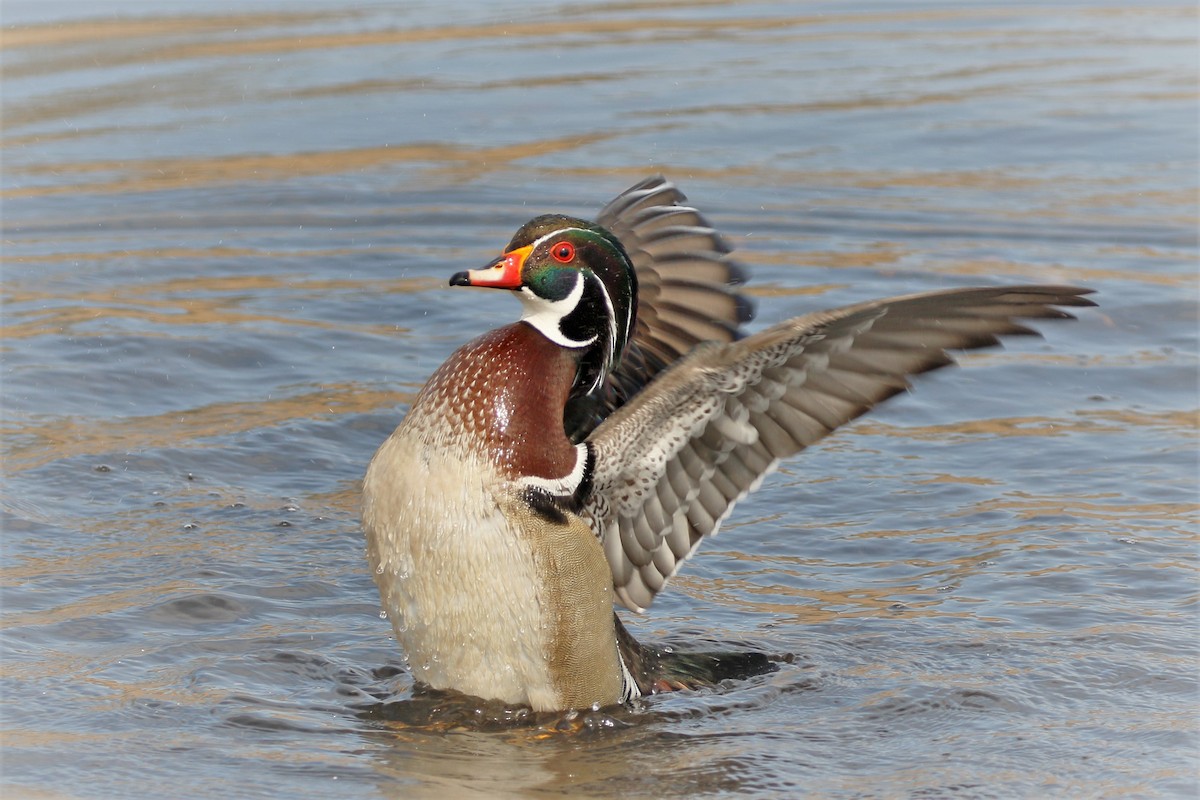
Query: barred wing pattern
{"type": "Point", "coordinates": [686, 292]}
{"type": "Point", "coordinates": [671, 464]}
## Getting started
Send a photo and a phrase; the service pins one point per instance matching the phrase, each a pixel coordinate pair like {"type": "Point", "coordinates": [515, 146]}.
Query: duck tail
{"type": "Point", "coordinates": [661, 669]}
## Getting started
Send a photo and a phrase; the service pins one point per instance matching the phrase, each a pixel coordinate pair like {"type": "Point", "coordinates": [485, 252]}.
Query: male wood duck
{"type": "Point", "coordinates": [577, 457]}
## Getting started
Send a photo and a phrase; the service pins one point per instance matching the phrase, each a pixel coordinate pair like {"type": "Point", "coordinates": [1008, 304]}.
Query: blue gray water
{"type": "Point", "coordinates": [227, 230]}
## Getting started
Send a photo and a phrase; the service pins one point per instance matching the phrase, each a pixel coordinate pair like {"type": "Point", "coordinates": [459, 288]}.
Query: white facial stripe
{"type": "Point", "coordinates": [553, 234]}
{"type": "Point", "coordinates": [612, 327]}
{"type": "Point", "coordinates": [567, 484]}
{"type": "Point", "coordinates": [545, 315]}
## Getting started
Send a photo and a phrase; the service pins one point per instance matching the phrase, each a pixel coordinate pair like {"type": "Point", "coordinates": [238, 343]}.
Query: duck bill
{"type": "Point", "coordinates": [503, 273]}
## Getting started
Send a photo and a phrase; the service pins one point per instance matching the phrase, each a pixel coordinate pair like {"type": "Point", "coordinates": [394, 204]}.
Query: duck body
{"type": "Point", "coordinates": [495, 591]}
{"type": "Point", "coordinates": [576, 458]}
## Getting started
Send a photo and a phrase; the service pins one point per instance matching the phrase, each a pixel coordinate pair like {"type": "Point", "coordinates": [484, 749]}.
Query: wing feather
{"type": "Point", "coordinates": [672, 462]}
{"type": "Point", "coordinates": [686, 292]}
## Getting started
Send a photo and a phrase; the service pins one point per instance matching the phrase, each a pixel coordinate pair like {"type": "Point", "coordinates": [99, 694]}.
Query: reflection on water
{"type": "Point", "coordinates": [226, 237]}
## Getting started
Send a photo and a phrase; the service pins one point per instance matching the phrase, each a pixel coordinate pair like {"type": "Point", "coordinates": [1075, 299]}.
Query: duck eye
{"type": "Point", "coordinates": [563, 252]}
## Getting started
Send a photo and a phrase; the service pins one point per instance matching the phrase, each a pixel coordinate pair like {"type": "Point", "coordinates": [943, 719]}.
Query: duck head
{"type": "Point", "coordinates": [577, 286]}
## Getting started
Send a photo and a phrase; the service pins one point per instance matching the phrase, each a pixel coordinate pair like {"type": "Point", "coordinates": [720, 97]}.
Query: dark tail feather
{"type": "Point", "coordinates": [658, 669]}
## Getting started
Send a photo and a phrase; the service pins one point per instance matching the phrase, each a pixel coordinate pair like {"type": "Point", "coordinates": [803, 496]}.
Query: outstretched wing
{"type": "Point", "coordinates": [686, 292]}
{"type": "Point", "coordinates": [671, 463]}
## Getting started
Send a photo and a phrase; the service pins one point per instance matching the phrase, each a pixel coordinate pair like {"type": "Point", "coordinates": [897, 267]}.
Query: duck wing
{"type": "Point", "coordinates": [671, 462]}
{"type": "Point", "coordinates": [686, 292]}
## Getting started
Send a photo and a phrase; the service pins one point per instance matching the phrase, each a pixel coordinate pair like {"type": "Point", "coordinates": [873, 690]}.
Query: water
{"type": "Point", "coordinates": [226, 240]}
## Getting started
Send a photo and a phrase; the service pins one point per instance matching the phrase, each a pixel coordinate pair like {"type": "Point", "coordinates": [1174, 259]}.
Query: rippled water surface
{"type": "Point", "coordinates": [227, 230]}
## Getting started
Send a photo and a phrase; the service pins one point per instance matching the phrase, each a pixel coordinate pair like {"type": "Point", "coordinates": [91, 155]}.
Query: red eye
{"type": "Point", "coordinates": [563, 252]}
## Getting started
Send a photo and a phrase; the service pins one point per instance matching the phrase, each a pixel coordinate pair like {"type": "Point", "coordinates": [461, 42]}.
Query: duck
{"type": "Point", "coordinates": [571, 461]}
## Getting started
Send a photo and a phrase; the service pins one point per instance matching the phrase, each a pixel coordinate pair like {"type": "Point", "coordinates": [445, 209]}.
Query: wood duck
{"type": "Point", "coordinates": [577, 457]}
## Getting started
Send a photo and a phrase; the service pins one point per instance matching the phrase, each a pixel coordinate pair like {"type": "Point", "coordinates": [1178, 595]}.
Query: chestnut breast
{"type": "Point", "coordinates": [503, 395]}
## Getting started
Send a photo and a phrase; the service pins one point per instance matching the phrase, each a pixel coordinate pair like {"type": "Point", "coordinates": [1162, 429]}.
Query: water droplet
{"type": "Point", "coordinates": [379, 570]}
{"type": "Point", "coordinates": [383, 613]}
{"type": "Point", "coordinates": [102, 468]}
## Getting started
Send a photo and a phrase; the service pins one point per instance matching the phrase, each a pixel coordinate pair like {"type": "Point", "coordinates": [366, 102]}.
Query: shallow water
{"type": "Point", "coordinates": [226, 237]}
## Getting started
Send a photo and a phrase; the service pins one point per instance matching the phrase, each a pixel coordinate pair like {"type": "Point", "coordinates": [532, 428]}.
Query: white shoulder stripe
{"type": "Point", "coordinates": [568, 484]}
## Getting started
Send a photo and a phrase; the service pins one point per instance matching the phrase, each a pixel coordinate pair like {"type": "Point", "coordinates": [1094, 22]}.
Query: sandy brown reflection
{"type": "Point", "coordinates": [184, 301]}
{"type": "Point", "coordinates": [174, 173]}
{"type": "Point", "coordinates": [66, 437]}
{"type": "Point", "coordinates": [1098, 421]}
{"type": "Point", "coordinates": [211, 37]}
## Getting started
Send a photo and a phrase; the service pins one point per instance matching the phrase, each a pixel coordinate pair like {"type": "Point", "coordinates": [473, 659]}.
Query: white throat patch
{"type": "Point", "coordinates": [546, 315]}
